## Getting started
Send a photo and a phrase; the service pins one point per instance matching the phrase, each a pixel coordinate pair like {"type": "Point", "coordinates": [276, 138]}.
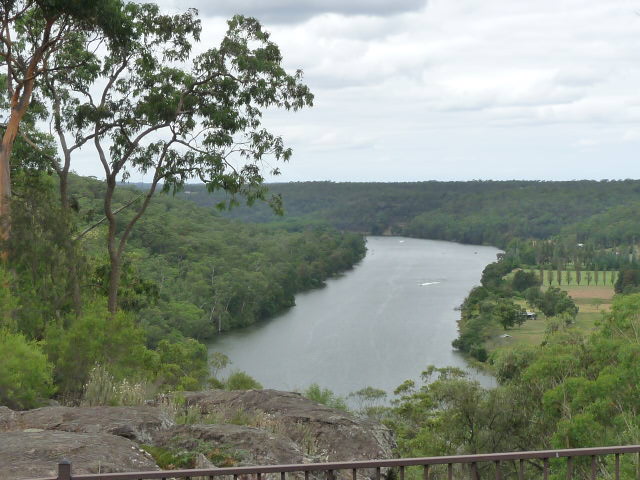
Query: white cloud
{"type": "Point", "coordinates": [286, 11]}
{"type": "Point", "coordinates": [412, 90]}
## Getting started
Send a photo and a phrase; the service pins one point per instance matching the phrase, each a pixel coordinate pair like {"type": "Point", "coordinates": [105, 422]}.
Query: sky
{"type": "Point", "coordinates": [411, 90]}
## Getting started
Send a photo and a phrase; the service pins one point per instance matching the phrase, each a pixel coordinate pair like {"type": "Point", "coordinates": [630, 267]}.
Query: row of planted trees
{"type": "Point", "coordinates": [562, 275]}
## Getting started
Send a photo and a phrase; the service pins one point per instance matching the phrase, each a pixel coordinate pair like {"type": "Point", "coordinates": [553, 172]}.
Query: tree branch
{"type": "Point", "coordinates": [102, 220]}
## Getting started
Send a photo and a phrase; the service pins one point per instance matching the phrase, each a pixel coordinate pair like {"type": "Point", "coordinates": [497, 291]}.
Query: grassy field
{"type": "Point", "coordinates": [592, 301]}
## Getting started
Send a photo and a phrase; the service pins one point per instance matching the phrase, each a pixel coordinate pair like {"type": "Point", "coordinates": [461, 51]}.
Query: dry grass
{"type": "Point", "coordinates": [591, 292]}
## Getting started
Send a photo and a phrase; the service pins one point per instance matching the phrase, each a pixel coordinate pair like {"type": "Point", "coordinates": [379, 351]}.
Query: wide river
{"type": "Point", "coordinates": [376, 325]}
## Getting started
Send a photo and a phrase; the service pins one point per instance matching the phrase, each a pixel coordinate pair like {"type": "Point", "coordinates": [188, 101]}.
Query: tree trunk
{"type": "Point", "coordinates": [5, 190]}
{"type": "Point", "coordinates": [114, 283]}
{"type": "Point", "coordinates": [114, 256]}
{"type": "Point", "coordinates": [20, 99]}
{"type": "Point", "coordinates": [5, 172]}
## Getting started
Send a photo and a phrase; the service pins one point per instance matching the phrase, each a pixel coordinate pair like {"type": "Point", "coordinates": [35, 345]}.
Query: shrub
{"type": "Point", "coordinates": [325, 397]}
{"type": "Point", "coordinates": [523, 280]}
{"type": "Point", "coordinates": [239, 380]}
{"type": "Point", "coordinates": [183, 364]}
{"type": "Point", "coordinates": [25, 374]}
{"type": "Point", "coordinates": [96, 337]}
{"type": "Point", "coordinates": [103, 389]}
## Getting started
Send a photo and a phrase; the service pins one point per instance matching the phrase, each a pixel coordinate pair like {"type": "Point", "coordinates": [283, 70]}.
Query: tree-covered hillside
{"type": "Point", "coordinates": [212, 273]}
{"type": "Point", "coordinates": [480, 212]}
{"type": "Point", "coordinates": [187, 275]}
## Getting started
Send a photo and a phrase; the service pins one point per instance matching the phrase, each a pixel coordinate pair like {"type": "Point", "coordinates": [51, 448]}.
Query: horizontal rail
{"type": "Point", "coordinates": [65, 467]}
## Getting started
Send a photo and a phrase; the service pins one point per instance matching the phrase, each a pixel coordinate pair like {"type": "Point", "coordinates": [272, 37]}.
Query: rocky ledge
{"type": "Point", "coordinates": [198, 429]}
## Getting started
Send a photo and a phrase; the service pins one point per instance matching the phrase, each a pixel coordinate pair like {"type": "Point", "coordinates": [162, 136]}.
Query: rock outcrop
{"type": "Point", "coordinates": [8, 419]}
{"type": "Point", "coordinates": [277, 428]}
{"type": "Point", "coordinates": [322, 432]}
{"type": "Point", "coordinates": [36, 454]}
{"type": "Point", "coordinates": [135, 423]}
{"type": "Point", "coordinates": [251, 446]}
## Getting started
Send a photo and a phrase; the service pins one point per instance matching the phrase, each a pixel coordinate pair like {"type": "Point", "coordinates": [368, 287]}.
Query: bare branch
{"type": "Point", "coordinates": [156, 178]}
{"type": "Point", "coordinates": [103, 219]}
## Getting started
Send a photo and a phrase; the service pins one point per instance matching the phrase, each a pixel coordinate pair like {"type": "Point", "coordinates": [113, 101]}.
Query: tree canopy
{"type": "Point", "coordinates": [33, 34]}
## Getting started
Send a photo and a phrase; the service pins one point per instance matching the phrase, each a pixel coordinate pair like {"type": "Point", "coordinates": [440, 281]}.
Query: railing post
{"type": "Point", "coordinates": [64, 469]}
{"type": "Point", "coordinates": [570, 467]}
{"type": "Point", "coordinates": [521, 469]}
{"type": "Point", "coordinates": [474, 471]}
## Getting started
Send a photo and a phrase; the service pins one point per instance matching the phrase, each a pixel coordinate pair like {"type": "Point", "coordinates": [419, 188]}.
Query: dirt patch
{"type": "Point", "coordinates": [604, 293]}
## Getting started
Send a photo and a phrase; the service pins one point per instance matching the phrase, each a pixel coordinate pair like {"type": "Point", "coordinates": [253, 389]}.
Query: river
{"type": "Point", "coordinates": [376, 325]}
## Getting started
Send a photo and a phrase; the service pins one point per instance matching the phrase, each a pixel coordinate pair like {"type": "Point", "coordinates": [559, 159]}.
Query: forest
{"type": "Point", "coordinates": [479, 212]}
{"type": "Point", "coordinates": [100, 282]}
{"type": "Point", "coordinates": [187, 275]}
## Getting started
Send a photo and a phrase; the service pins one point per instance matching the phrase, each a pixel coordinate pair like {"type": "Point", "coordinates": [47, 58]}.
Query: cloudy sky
{"type": "Point", "coordinates": [454, 89]}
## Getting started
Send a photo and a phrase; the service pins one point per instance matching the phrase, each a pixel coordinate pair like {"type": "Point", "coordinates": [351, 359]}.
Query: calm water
{"type": "Point", "coordinates": [377, 325]}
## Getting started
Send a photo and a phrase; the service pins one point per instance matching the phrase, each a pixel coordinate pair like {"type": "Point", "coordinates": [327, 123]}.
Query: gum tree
{"type": "Point", "coordinates": [31, 31]}
{"type": "Point", "coordinates": [158, 110]}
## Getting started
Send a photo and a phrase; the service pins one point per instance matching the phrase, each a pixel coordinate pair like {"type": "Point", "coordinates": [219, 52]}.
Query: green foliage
{"type": "Point", "coordinates": [628, 281]}
{"type": "Point", "coordinates": [8, 303]}
{"type": "Point", "coordinates": [570, 392]}
{"type": "Point", "coordinates": [25, 374]}
{"type": "Point", "coordinates": [218, 361]}
{"type": "Point", "coordinates": [105, 15]}
{"type": "Point", "coordinates": [240, 380]}
{"type": "Point", "coordinates": [552, 302]}
{"type": "Point", "coordinates": [215, 275]}
{"type": "Point", "coordinates": [510, 364]}
{"type": "Point", "coordinates": [325, 396]}
{"type": "Point", "coordinates": [507, 313]}
{"type": "Point", "coordinates": [369, 402]}
{"type": "Point", "coordinates": [449, 414]}
{"type": "Point", "coordinates": [486, 306]}
{"type": "Point", "coordinates": [523, 280]}
{"type": "Point", "coordinates": [46, 263]}
{"type": "Point", "coordinates": [191, 273]}
{"type": "Point", "coordinates": [170, 460]}
{"type": "Point", "coordinates": [96, 337]}
{"type": "Point", "coordinates": [183, 364]}
{"type": "Point", "coordinates": [182, 453]}
{"type": "Point", "coordinates": [174, 116]}
{"type": "Point", "coordinates": [492, 275]}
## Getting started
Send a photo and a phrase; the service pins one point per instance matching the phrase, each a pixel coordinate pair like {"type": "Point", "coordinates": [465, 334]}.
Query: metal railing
{"type": "Point", "coordinates": [577, 463]}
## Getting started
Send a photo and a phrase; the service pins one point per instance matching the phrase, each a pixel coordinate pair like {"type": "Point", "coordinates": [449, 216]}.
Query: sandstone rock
{"type": "Point", "coordinates": [31, 455]}
{"type": "Point", "coordinates": [202, 463]}
{"type": "Point", "coordinates": [8, 419]}
{"type": "Point", "coordinates": [247, 445]}
{"type": "Point", "coordinates": [278, 428]}
{"type": "Point", "coordinates": [135, 423]}
{"type": "Point", "coordinates": [322, 432]}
